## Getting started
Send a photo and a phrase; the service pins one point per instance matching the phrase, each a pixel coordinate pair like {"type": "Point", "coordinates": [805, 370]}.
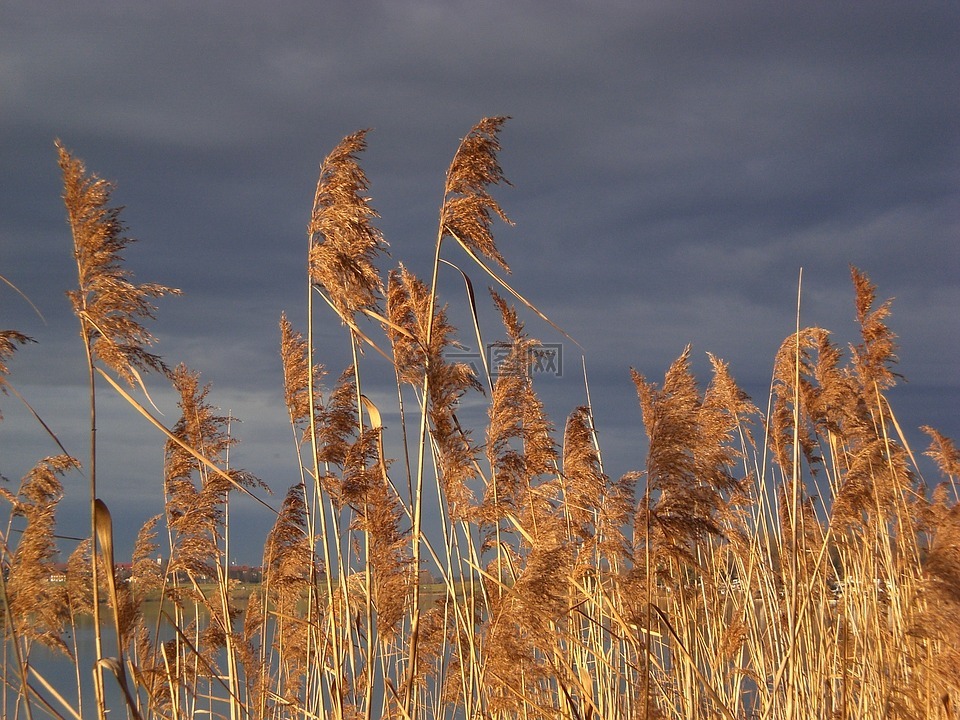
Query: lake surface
{"type": "Point", "coordinates": [63, 673]}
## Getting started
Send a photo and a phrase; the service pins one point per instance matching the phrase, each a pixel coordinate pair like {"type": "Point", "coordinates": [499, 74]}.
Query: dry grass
{"type": "Point", "coordinates": [782, 564]}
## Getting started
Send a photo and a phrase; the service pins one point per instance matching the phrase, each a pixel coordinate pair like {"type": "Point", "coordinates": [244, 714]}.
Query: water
{"type": "Point", "coordinates": [63, 673]}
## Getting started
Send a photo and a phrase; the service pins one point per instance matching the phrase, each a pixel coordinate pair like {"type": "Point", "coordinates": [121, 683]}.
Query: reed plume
{"type": "Point", "coordinates": [146, 574]}
{"type": "Point", "coordinates": [878, 467]}
{"type": "Point", "coordinates": [296, 376]}
{"type": "Point", "coordinates": [408, 302]}
{"type": "Point", "coordinates": [9, 340]}
{"type": "Point", "coordinates": [79, 580]}
{"type": "Point", "coordinates": [338, 424]}
{"type": "Point", "coordinates": [875, 354]}
{"type": "Point", "coordinates": [585, 484]}
{"type": "Point", "coordinates": [344, 242]}
{"type": "Point", "coordinates": [793, 392]}
{"type": "Point", "coordinates": [290, 566]}
{"type": "Point", "coordinates": [944, 452]}
{"type": "Point", "coordinates": [520, 448]}
{"type": "Point", "coordinates": [196, 501]}
{"type": "Point", "coordinates": [108, 303]}
{"type": "Point", "coordinates": [688, 463]}
{"type": "Point", "coordinates": [38, 608]}
{"type": "Point", "coordinates": [408, 305]}
{"type": "Point", "coordinates": [468, 207]}
{"type": "Point", "coordinates": [195, 509]}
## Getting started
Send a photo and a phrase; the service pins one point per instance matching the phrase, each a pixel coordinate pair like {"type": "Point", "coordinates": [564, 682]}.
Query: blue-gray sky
{"type": "Point", "coordinates": [674, 165]}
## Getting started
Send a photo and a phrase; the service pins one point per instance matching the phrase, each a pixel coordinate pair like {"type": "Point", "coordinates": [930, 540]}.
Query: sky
{"type": "Point", "coordinates": [679, 172]}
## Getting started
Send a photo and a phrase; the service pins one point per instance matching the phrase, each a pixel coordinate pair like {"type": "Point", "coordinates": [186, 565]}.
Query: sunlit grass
{"type": "Point", "coordinates": [779, 562]}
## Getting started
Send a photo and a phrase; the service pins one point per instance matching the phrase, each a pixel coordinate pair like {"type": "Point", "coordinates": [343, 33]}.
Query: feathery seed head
{"type": "Point", "coordinates": [9, 339]}
{"type": "Point", "coordinates": [873, 357]}
{"type": "Point", "coordinates": [296, 376]}
{"type": "Point", "coordinates": [109, 305]}
{"type": "Point", "coordinates": [343, 241]}
{"type": "Point", "coordinates": [468, 206]}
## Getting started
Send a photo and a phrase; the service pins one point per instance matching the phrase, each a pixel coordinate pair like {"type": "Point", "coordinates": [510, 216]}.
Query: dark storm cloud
{"type": "Point", "coordinates": [674, 165]}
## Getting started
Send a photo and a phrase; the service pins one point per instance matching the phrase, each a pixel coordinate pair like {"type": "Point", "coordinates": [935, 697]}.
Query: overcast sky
{"type": "Point", "coordinates": [673, 164]}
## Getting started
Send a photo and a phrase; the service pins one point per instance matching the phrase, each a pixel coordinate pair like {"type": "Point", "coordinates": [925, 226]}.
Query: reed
{"type": "Point", "coordinates": [789, 562]}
